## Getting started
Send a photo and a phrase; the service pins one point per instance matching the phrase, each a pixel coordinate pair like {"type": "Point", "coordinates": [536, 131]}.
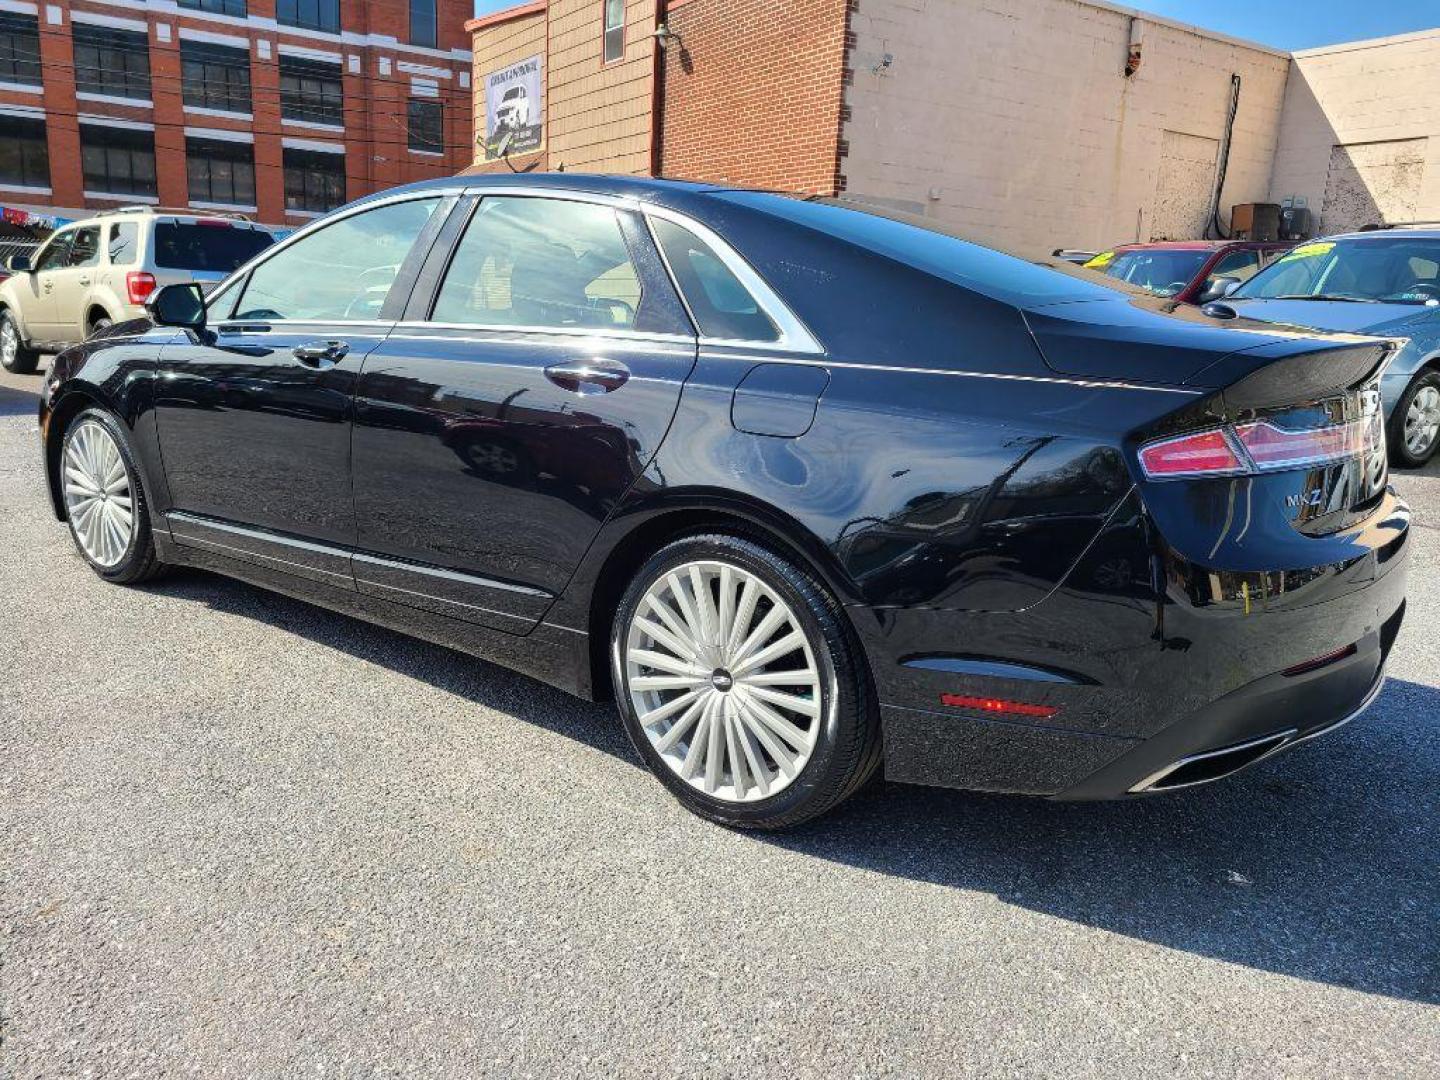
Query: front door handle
{"type": "Point", "coordinates": [595, 376]}
{"type": "Point", "coordinates": [321, 353]}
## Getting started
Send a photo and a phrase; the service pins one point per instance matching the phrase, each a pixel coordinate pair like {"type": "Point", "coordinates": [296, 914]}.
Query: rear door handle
{"type": "Point", "coordinates": [321, 353]}
{"type": "Point", "coordinates": [594, 376]}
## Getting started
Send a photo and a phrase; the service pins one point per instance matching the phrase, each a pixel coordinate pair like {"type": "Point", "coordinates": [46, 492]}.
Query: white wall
{"type": "Point", "coordinates": [1013, 120]}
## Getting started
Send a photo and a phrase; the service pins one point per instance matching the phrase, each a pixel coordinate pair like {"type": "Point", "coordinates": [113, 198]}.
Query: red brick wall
{"type": "Point", "coordinates": [752, 94]}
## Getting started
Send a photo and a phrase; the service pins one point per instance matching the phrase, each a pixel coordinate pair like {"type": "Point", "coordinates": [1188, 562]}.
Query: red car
{"type": "Point", "coordinates": [1188, 270]}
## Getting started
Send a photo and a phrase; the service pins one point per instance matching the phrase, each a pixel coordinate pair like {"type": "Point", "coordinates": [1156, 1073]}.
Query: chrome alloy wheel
{"type": "Point", "coordinates": [723, 679]}
{"type": "Point", "coordinates": [9, 342]}
{"type": "Point", "coordinates": [97, 493]}
{"type": "Point", "coordinates": [1422, 421]}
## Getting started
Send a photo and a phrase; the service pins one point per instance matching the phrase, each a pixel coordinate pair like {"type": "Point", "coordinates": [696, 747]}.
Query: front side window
{"type": "Point", "coordinates": [314, 181]}
{"type": "Point", "coordinates": [422, 22]}
{"type": "Point", "coordinates": [1240, 265]}
{"type": "Point", "coordinates": [310, 14]}
{"type": "Point", "coordinates": [122, 248]}
{"type": "Point", "coordinates": [111, 62]}
{"type": "Point", "coordinates": [614, 30]}
{"type": "Point", "coordinates": [215, 76]}
{"type": "Point", "coordinates": [117, 161]}
{"type": "Point", "coordinates": [19, 49]}
{"type": "Point", "coordinates": [426, 126]}
{"type": "Point", "coordinates": [234, 8]}
{"type": "Point", "coordinates": [310, 91]}
{"type": "Point", "coordinates": [57, 252]}
{"type": "Point", "coordinates": [220, 171]}
{"type": "Point", "coordinates": [1394, 269]}
{"type": "Point", "coordinates": [723, 308]}
{"type": "Point", "coordinates": [85, 248]}
{"type": "Point", "coordinates": [341, 272]}
{"type": "Point", "coordinates": [24, 154]}
{"type": "Point", "coordinates": [542, 263]}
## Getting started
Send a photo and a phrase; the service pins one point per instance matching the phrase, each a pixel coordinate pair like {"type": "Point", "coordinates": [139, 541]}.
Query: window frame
{"type": "Point", "coordinates": [606, 30]}
{"type": "Point", "coordinates": [436, 148]}
{"type": "Point", "coordinates": [236, 9]}
{"type": "Point", "coordinates": [433, 7]}
{"type": "Point", "coordinates": [284, 16]}
{"type": "Point", "coordinates": [200, 94]}
{"type": "Point", "coordinates": [311, 155]}
{"type": "Point", "coordinates": [129, 78]}
{"type": "Point", "coordinates": [25, 136]}
{"type": "Point", "coordinates": [311, 106]}
{"type": "Point", "coordinates": [243, 153]}
{"type": "Point", "coordinates": [127, 135]}
{"type": "Point", "coordinates": [19, 65]}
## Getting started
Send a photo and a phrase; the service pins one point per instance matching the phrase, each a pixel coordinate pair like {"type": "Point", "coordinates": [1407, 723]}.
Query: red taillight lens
{"type": "Point", "coordinates": [998, 705]}
{"type": "Point", "coordinates": [1271, 447]}
{"type": "Point", "coordinates": [1205, 453]}
{"type": "Point", "coordinates": [139, 285]}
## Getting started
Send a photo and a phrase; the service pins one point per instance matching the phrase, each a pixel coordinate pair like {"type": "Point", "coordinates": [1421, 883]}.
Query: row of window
{"type": "Point", "coordinates": [323, 15]}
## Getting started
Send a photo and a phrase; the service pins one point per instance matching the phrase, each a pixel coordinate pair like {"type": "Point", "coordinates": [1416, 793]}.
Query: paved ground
{"type": "Point", "coordinates": [240, 836]}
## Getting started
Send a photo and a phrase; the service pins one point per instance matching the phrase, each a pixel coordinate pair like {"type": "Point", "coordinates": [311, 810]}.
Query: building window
{"type": "Point", "coordinates": [117, 160]}
{"type": "Point", "coordinates": [19, 49]}
{"type": "Point", "coordinates": [614, 30]}
{"type": "Point", "coordinates": [24, 157]}
{"type": "Point", "coordinates": [422, 22]}
{"type": "Point", "coordinates": [311, 14]}
{"type": "Point", "coordinates": [221, 171]}
{"type": "Point", "coordinates": [218, 7]}
{"type": "Point", "coordinates": [310, 91]}
{"type": "Point", "coordinates": [113, 62]}
{"type": "Point", "coordinates": [313, 180]}
{"type": "Point", "coordinates": [427, 126]}
{"type": "Point", "coordinates": [215, 76]}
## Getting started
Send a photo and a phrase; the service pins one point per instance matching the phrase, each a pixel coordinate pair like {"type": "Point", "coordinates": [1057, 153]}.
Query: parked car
{"type": "Point", "coordinates": [97, 272]}
{"type": "Point", "coordinates": [812, 490]}
{"type": "Point", "coordinates": [1074, 255]}
{"type": "Point", "coordinates": [1386, 283]}
{"type": "Point", "coordinates": [1189, 271]}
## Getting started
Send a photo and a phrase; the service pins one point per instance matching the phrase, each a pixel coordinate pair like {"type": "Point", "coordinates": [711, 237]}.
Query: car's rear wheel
{"type": "Point", "coordinates": [741, 684]}
{"type": "Point", "coordinates": [104, 500]}
{"type": "Point", "coordinates": [100, 322]}
{"type": "Point", "coordinates": [1415, 430]}
{"type": "Point", "coordinates": [15, 356]}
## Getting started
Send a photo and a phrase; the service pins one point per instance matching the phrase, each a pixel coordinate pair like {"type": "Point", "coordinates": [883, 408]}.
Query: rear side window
{"type": "Point", "coordinates": [722, 306]}
{"type": "Point", "coordinates": [123, 235]}
{"type": "Point", "coordinates": [219, 247]}
{"type": "Point", "coordinates": [85, 250]}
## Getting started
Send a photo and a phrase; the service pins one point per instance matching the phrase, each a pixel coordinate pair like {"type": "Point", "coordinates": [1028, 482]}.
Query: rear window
{"type": "Point", "coordinates": [206, 247]}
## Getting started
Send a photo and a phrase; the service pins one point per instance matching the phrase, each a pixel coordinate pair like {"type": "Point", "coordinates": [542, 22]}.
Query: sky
{"type": "Point", "coordinates": [1283, 24]}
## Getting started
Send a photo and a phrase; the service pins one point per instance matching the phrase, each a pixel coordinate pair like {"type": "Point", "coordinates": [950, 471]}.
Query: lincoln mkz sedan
{"type": "Point", "coordinates": [815, 492]}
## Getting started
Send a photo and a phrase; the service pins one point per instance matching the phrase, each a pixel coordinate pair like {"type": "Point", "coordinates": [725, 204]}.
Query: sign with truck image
{"type": "Point", "coordinates": [514, 114]}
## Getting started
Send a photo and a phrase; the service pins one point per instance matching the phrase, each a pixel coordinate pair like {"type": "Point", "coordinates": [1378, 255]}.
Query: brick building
{"type": "Point", "coordinates": [1030, 124]}
{"type": "Point", "coordinates": [281, 109]}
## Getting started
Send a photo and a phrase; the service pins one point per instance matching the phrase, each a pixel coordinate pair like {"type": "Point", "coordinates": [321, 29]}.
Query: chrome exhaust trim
{"type": "Point", "coordinates": [1155, 781]}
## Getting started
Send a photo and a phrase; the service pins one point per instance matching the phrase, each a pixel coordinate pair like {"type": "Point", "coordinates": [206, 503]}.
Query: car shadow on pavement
{"type": "Point", "coordinates": [1322, 864]}
{"type": "Point", "coordinates": [18, 402]}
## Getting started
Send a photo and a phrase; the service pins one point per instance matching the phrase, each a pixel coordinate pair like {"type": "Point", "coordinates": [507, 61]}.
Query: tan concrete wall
{"type": "Point", "coordinates": [1362, 121]}
{"type": "Point", "coordinates": [1013, 119]}
{"type": "Point", "coordinates": [497, 46]}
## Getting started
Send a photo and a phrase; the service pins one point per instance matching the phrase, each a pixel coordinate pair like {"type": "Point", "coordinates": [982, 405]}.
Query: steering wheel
{"type": "Point", "coordinates": [1429, 289]}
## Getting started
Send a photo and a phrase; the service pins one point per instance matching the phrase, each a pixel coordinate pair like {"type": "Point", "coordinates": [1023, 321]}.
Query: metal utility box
{"type": "Point", "coordinates": [1255, 221]}
{"type": "Point", "coordinates": [1295, 223]}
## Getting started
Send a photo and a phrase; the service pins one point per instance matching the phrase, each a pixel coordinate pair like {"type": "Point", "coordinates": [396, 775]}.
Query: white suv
{"type": "Point", "coordinates": [102, 270]}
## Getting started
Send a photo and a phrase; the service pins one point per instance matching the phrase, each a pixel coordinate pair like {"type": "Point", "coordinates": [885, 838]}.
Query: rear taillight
{"type": "Point", "coordinates": [138, 286]}
{"type": "Point", "coordinates": [1258, 447]}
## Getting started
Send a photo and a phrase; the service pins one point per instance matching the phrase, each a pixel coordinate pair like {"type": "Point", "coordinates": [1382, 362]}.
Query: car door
{"type": "Point", "coordinates": [536, 371]}
{"type": "Point", "coordinates": [253, 414]}
{"type": "Point", "coordinates": [71, 284]}
{"type": "Point", "coordinates": [37, 288]}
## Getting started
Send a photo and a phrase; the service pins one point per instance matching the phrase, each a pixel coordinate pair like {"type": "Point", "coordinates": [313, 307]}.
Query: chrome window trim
{"type": "Point", "coordinates": [408, 328]}
{"type": "Point", "coordinates": [382, 325]}
{"type": "Point", "coordinates": [794, 336]}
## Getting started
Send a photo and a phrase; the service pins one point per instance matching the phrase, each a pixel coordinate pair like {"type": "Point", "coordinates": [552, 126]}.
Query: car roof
{"type": "Point", "coordinates": [1383, 234]}
{"type": "Point", "coordinates": [1198, 245]}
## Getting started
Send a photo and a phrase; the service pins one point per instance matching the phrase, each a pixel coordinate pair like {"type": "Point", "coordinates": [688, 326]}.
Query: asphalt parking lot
{"type": "Point", "coordinates": [240, 836]}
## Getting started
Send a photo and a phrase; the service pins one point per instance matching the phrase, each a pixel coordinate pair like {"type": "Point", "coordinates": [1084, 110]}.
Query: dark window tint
{"type": "Point", "coordinates": [119, 161]}
{"type": "Point", "coordinates": [19, 49]}
{"type": "Point", "coordinates": [221, 171]}
{"type": "Point", "coordinates": [722, 306]}
{"type": "Point", "coordinates": [85, 248]}
{"type": "Point", "coordinates": [218, 246]}
{"type": "Point", "coordinates": [426, 126]}
{"type": "Point", "coordinates": [24, 156]}
{"type": "Point", "coordinates": [341, 271]}
{"type": "Point", "coordinates": [215, 76]}
{"type": "Point", "coordinates": [310, 90]}
{"type": "Point", "coordinates": [219, 7]}
{"type": "Point", "coordinates": [56, 252]}
{"type": "Point", "coordinates": [422, 22]}
{"type": "Point", "coordinates": [614, 29]}
{"type": "Point", "coordinates": [541, 262]}
{"type": "Point", "coordinates": [312, 14]}
{"type": "Point", "coordinates": [123, 235]}
{"type": "Point", "coordinates": [314, 181]}
{"type": "Point", "coordinates": [110, 61]}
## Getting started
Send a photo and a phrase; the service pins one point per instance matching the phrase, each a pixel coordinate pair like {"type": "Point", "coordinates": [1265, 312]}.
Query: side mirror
{"type": "Point", "coordinates": [178, 305]}
{"type": "Point", "coordinates": [1218, 289]}
{"type": "Point", "coordinates": [19, 264]}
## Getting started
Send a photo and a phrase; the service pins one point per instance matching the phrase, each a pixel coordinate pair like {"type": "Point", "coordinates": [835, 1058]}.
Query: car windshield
{"type": "Point", "coordinates": [1162, 271]}
{"type": "Point", "coordinates": [1388, 269]}
{"type": "Point", "coordinates": [220, 247]}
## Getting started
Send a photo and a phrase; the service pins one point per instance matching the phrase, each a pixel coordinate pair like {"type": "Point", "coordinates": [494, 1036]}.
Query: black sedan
{"type": "Point", "coordinates": [814, 492]}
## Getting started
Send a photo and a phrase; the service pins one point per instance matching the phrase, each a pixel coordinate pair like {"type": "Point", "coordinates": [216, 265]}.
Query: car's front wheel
{"type": "Point", "coordinates": [1415, 427]}
{"type": "Point", "coordinates": [15, 356]}
{"type": "Point", "coordinates": [104, 500]}
{"type": "Point", "coordinates": [741, 684]}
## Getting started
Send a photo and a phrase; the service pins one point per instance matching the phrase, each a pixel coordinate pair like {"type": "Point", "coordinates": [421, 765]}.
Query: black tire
{"type": "Point", "coordinates": [104, 322]}
{"type": "Point", "coordinates": [24, 359]}
{"type": "Point", "coordinates": [1400, 454]}
{"type": "Point", "coordinates": [847, 743]}
{"type": "Point", "coordinates": [140, 561]}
